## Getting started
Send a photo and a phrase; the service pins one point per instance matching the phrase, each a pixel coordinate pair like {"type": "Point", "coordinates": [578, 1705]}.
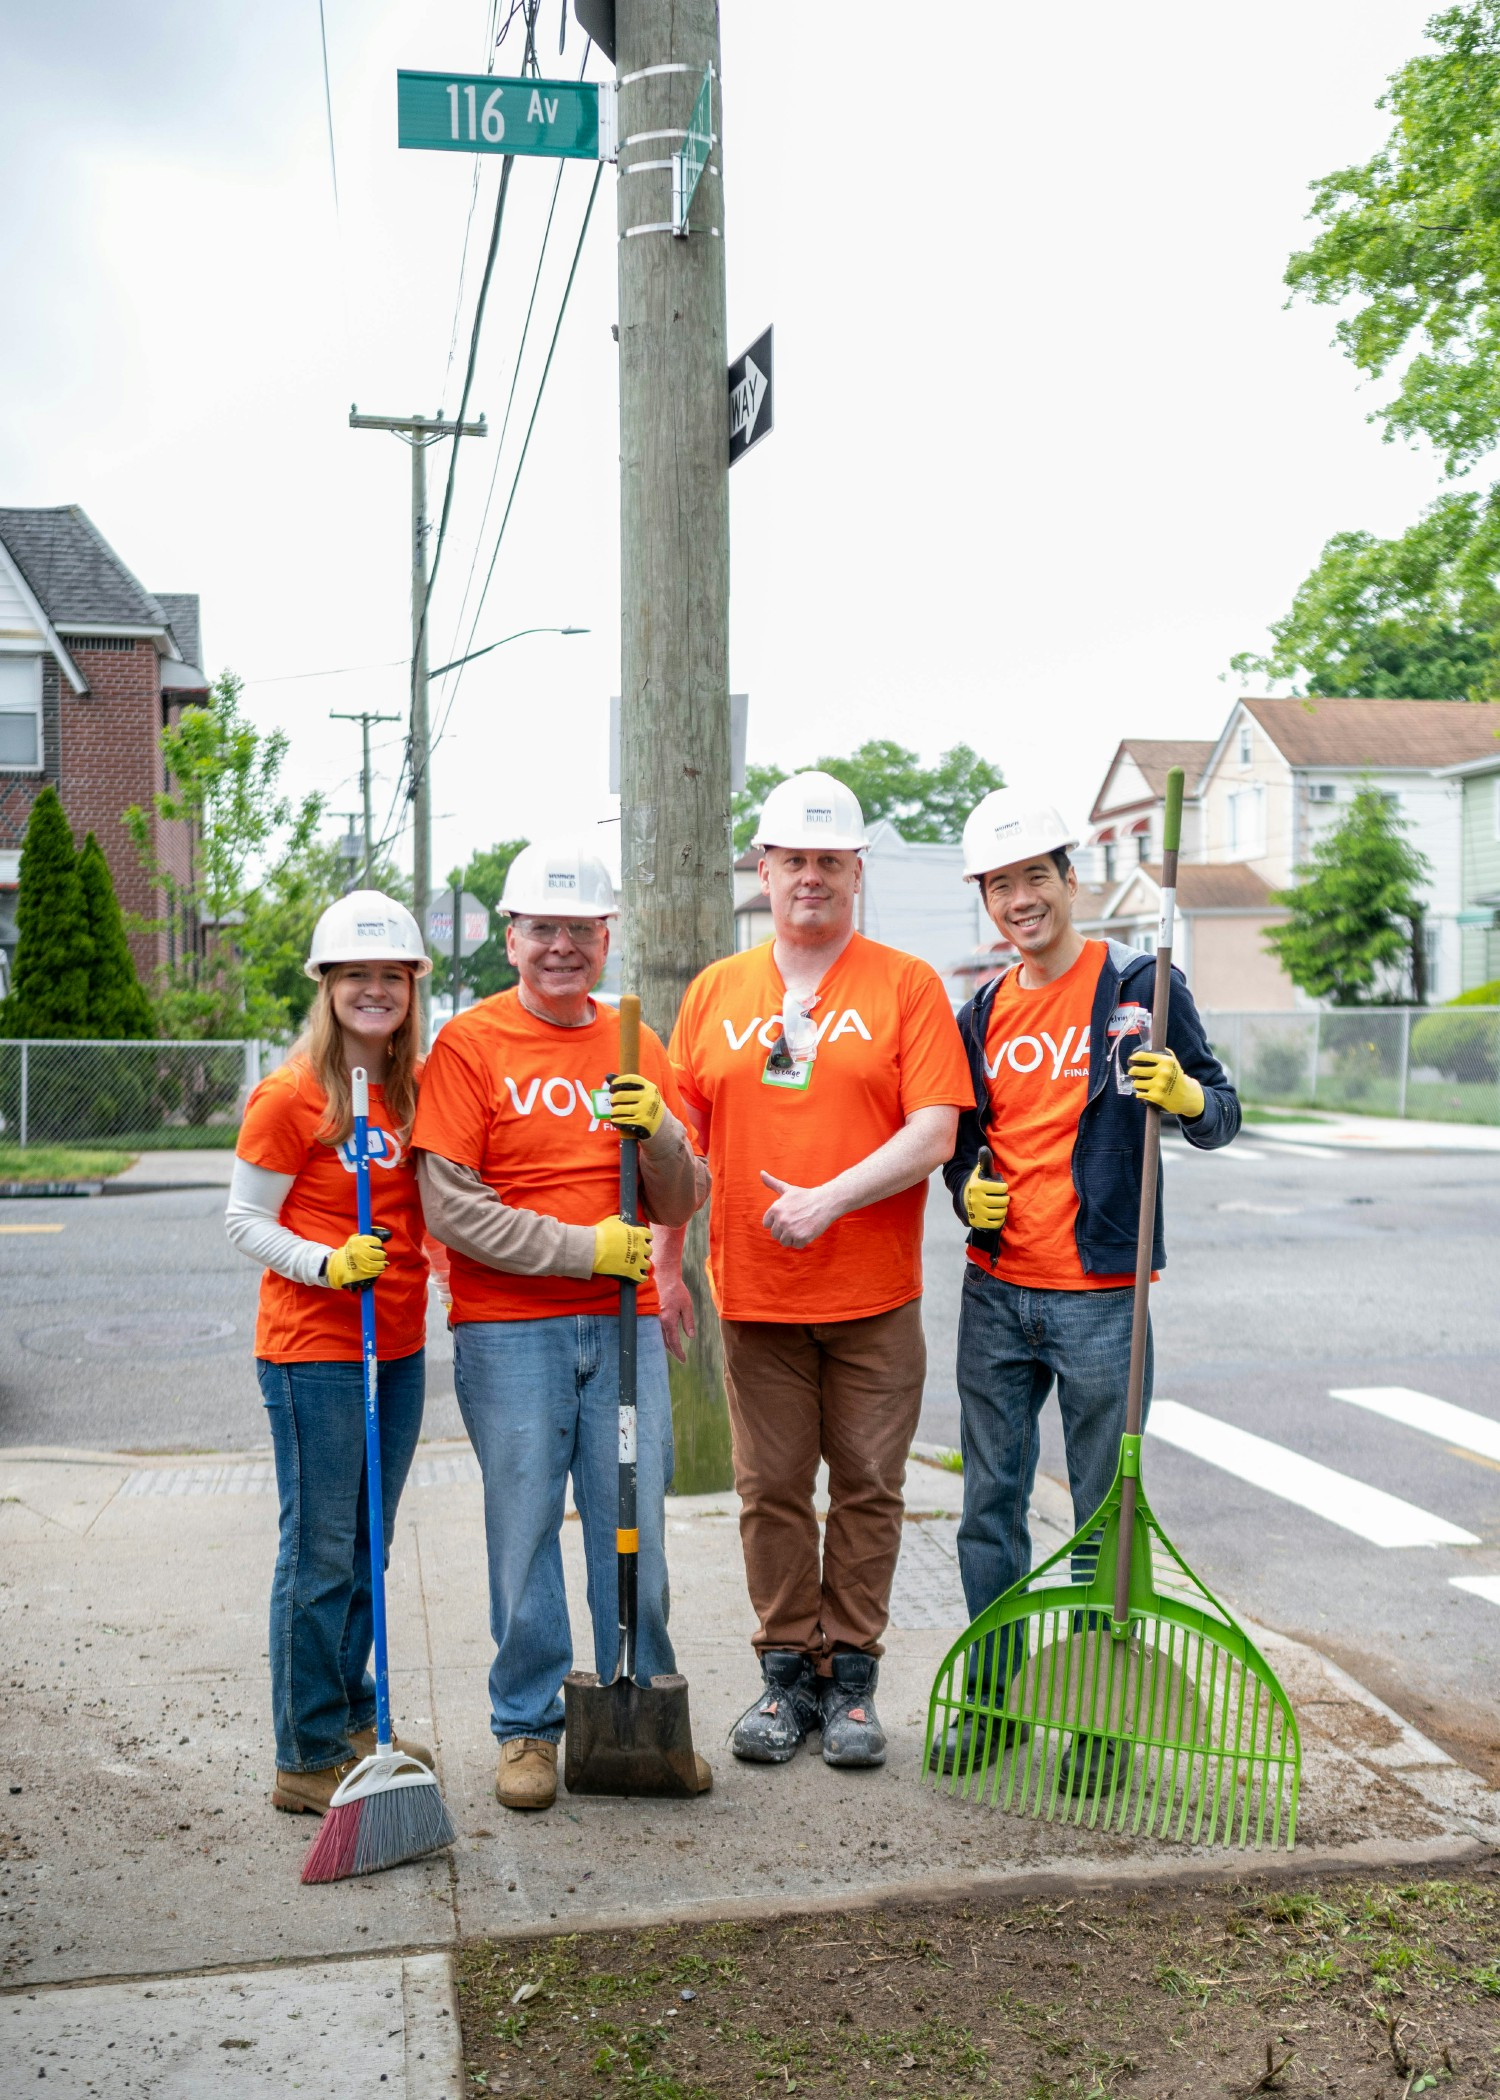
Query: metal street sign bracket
{"type": "Point", "coordinates": [691, 157]}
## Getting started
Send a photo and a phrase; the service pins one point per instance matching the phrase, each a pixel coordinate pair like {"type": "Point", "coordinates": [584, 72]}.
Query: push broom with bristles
{"type": "Point", "coordinates": [1109, 1686]}
{"type": "Point", "coordinates": [388, 1809]}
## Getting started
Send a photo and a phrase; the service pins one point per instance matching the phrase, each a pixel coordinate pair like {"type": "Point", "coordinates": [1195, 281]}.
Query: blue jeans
{"type": "Point", "coordinates": [321, 1633]}
{"type": "Point", "coordinates": [1012, 1344]}
{"type": "Point", "coordinates": [540, 1400]}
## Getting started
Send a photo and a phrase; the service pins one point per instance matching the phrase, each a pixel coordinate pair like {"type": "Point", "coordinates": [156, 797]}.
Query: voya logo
{"type": "Point", "coordinates": [384, 1149]}
{"type": "Point", "coordinates": [561, 1097]}
{"type": "Point", "coordinates": [833, 1025]}
{"type": "Point", "coordinates": [1027, 1053]}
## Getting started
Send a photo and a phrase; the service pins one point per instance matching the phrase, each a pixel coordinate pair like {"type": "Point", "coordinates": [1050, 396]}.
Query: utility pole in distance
{"type": "Point", "coordinates": [419, 432]}
{"type": "Point", "coordinates": [674, 584]}
{"type": "Point", "coordinates": [364, 722]}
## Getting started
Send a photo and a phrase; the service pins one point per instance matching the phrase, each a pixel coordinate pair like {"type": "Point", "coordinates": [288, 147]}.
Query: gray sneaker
{"type": "Point", "coordinates": [772, 1730]}
{"type": "Point", "coordinates": [852, 1734]}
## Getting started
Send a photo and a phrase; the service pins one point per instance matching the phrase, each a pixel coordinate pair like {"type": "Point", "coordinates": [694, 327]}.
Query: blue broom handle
{"type": "Point", "coordinates": [360, 1084]}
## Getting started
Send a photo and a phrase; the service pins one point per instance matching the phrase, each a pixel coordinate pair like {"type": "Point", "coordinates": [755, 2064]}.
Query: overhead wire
{"type": "Point", "coordinates": [491, 42]}
{"type": "Point", "coordinates": [525, 446]}
{"type": "Point", "coordinates": [333, 165]}
{"type": "Point", "coordinates": [515, 374]}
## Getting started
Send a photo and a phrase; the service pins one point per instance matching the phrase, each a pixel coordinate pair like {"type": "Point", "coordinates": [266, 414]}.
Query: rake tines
{"type": "Point", "coordinates": [1169, 1726]}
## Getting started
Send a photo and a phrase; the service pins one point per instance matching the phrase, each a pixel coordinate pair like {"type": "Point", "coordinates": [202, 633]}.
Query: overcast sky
{"type": "Point", "coordinates": [1048, 449]}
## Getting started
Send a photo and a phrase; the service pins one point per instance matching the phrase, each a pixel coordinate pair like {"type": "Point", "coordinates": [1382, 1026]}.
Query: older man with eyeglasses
{"type": "Point", "coordinates": [520, 1181]}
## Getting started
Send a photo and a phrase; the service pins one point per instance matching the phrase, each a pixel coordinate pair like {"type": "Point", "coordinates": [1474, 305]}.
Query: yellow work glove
{"type": "Point", "coordinates": [1160, 1079]}
{"type": "Point", "coordinates": [635, 1105]}
{"type": "Point", "coordinates": [986, 1199]}
{"type": "Point", "coordinates": [622, 1250]}
{"type": "Point", "coordinates": [359, 1261]}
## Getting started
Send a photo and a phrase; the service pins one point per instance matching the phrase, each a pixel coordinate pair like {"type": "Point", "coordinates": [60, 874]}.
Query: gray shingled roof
{"type": "Point", "coordinates": [74, 573]}
{"type": "Point", "coordinates": [181, 609]}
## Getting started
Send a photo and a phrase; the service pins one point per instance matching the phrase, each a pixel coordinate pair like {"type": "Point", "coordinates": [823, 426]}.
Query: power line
{"type": "Point", "coordinates": [526, 442]}
{"type": "Point", "coordinates": [514, 378]}
{"type": "Point", "coordinates": [333, 166]}
{"type": "Point", "coordinates": [490, 42]}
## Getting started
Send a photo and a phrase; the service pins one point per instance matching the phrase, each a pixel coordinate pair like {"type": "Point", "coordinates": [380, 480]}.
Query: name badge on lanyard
{"type": "Point", "coordinates": [790, 1063]}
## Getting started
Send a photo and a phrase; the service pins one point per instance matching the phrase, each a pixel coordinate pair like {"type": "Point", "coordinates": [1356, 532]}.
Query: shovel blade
{"type": "Point", "coordinates": [628, 1738]}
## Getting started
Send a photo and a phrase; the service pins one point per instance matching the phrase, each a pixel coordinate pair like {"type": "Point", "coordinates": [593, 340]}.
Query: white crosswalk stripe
{"type": "Point", "coordinates": [1439, 1418]}
{"type": "Point", "coordinates": [1486, 1586]}
{"type": "Point", "coordinates": [1369, 1512]}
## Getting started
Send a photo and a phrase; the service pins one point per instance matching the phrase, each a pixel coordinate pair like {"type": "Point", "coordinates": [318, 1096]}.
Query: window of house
{"type": "Point", "coordinates": [1247, 823]}
{"type": "Point", "coordinates": [21, 712]}
{"type": "Point", "coordinates": [1497, 805]}
{"type": "Point", "coordinates": [1110, 852]}
{"type": "Point", "coordinates": [1323, 791]}
{"type": "Point", "coordinates": [1247, 749]}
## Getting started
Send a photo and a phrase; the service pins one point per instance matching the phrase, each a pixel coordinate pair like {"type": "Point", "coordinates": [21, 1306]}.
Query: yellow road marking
{"type": "Point", "coordinates": [31, 1228]}
{"type": "Point", "coordinates": [1475, 1458]}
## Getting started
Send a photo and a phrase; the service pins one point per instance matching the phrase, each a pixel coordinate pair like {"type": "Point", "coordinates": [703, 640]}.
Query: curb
{"type": "Point", "coordinates": [12, 1189]}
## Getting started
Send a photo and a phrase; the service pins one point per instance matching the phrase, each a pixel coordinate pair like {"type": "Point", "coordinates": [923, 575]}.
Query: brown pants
{"type": "Point", "coordinates": [849, 1391]}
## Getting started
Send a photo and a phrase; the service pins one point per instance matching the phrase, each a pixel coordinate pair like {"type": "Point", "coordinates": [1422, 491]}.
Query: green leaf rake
{"type": "Point", "coordinates": [1109, 1686]}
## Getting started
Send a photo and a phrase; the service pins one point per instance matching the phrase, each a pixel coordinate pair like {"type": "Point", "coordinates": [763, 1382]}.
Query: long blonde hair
{"type": "Point", "coordinates": [321, 1048]}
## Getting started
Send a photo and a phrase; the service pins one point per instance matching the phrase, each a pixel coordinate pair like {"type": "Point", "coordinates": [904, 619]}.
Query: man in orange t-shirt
{"type": "Point", "coordinates": [1060, 1069]}
{"type": "Point", "coordinates": [519, 1166]}
{"type": "Point", "coordinates": [823, 1075]}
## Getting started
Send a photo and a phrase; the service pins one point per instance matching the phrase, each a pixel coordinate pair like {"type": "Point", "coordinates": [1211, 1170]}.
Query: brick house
{"type": "Point", "coordinates": [92, 666]}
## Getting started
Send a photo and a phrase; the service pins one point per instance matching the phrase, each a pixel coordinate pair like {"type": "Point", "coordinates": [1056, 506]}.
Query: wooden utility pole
{"type": "Point", "coordinates": [364, 722]}
{"type": "Point", "coordinates": [675, 849]}
{"type": "Point", "coordinates": [674, 516]}
{"type": "Point", "coordinates": [419, 432]}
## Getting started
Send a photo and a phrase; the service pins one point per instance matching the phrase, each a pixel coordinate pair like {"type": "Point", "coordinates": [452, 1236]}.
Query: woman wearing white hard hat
{"type": "Point", "coordinates": [292, 1210]}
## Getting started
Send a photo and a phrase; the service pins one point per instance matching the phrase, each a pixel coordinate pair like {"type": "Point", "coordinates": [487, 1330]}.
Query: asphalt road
{"type": "Point", "coordinates": [1289, 1278]}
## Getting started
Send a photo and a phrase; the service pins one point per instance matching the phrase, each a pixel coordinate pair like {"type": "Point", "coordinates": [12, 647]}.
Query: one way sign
{"type": "Point", "coordinates": [750, 398]}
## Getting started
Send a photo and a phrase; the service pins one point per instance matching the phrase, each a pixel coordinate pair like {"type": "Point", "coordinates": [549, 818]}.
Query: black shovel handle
{"type": "Point", "coordinates": [627, 1537]}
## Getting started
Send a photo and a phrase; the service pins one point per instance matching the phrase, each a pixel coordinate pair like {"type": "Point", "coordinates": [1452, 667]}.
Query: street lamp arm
{"type": "Point", "coordinates": [516, 637]}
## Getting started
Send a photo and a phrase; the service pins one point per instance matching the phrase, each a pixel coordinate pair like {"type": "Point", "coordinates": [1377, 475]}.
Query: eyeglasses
{"type": "Point", "coordinates": [582, 932]}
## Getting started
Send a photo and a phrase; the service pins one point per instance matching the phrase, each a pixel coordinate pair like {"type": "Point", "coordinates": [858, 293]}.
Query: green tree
{"type": "Point", "coordinates": [925, 803]}
{"type": "Point", "coordinates": [1410, 242]}
{"type": "Point", "coordinates": [486, 971]}
{"type": "Point", "coordinates": [1413, 618]}
{"type": "Point", "coordinates": [49, 993]}
{"type": "Point", "coordinates": [1355, 911]}
{"type": "Point", "coordinates": [118, 1008]}
{"type": "Point", "coordinates": [255, 876]}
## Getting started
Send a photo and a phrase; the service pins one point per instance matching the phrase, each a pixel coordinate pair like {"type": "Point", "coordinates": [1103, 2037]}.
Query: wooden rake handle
{"type": "Point", "coordinates": [1145, 1235]}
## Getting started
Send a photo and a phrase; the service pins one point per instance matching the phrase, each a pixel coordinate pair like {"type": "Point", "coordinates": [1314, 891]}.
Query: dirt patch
{"type": "Point", "coordinates": [1380, 1988]}
{"type": "Point", "coordinates": [1470, 1734]}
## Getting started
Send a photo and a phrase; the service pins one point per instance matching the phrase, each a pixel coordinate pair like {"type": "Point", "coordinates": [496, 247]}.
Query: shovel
{"type": "Point", "coordinates": [624, 1737]}
{"type": "Point", "coordinates": [1109, 1685]}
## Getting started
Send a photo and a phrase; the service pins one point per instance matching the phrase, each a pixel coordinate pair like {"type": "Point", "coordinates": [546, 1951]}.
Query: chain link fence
{"type": "Point", "coordinates": [137, 1096]}
{"type": "Point", "coordinates": [1440, 1064]}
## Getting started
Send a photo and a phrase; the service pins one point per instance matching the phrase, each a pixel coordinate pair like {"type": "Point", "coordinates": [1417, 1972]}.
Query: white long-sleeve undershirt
{"type": "Point", "coordinates": [253, 1223]}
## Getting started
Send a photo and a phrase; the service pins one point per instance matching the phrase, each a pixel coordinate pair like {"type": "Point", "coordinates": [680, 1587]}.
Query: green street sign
{"type": "Point", "coordinates": [476, 113]}
{"type": "Point", "coordinates": [691, 158]}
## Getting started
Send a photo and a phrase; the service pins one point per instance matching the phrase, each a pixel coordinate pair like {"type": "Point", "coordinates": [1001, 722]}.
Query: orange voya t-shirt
{"type": "Point", "coordinates": [513, 1096]}
{"type": "Point", "coordinates": [1036, 1057]}
{"type": "Point", "coordinates": [887, 1045]}
{"type": "Point", "coordinates": [302, 1323]}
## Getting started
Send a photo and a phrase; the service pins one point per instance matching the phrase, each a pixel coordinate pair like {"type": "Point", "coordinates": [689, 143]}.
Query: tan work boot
{"type": "Point", "coordinates": [363, 1742]}
{"type": "Point", "coordinates": [527, 1777]}
{"type": "Point", "coordinates": [309, 1793]}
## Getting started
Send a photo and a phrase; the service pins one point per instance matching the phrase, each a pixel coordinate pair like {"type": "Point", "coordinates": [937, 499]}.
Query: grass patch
{"type": "Point", "coordinates": [1385, 1986]}
{"type": "Point", "coordinates": [61, 1163]}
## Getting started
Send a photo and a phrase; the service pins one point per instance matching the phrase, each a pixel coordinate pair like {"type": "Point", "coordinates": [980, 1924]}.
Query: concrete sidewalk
{"type": "Point", "coordinates": [136, 1751]}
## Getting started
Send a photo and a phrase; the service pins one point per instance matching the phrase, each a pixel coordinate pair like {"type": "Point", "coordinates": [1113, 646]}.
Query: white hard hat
{"type": "Point", "coordinates": [1008, 826]}
{"type": "Point", "coordinates": [812, 809]}
{"type": "Point", "coordinates": [557, 877]}
{"type": "Point", "coordinates": [367, 926]}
